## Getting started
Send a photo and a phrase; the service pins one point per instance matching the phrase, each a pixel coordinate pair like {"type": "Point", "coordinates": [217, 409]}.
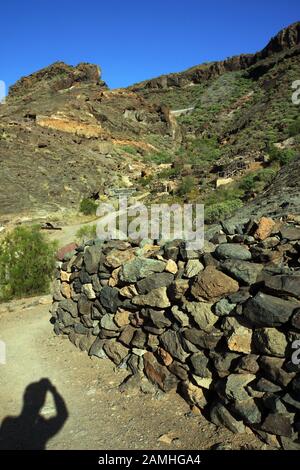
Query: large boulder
{"type": "Point", "coordinates": [212, 284]}
{"type": "Point", "coordinates": [233, 251]}
{"type": "Point", "coordinates": [267, 310]}
{"type": "Point", "coordinates": [139, 267]}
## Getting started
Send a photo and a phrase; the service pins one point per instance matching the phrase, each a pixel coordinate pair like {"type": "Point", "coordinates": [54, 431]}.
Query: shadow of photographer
{"type": "Point", "coordinates": [30, 430]}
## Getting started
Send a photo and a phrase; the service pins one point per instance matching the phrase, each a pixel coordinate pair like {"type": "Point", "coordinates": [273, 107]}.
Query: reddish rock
{"type": "Point", "coordinates": [165, 356]}
{"type": "Point", "coordinates": [265, 228]}
{"type": "Point", "coordinates": [65, 249]}
{"type": "Point", "coordinates": [212, 284]}
{"type": "Point", "coordinates": [158, 374]}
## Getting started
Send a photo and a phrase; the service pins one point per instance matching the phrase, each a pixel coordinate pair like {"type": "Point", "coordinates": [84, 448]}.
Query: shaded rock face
{"type": "Point", "coordinates": [285, 39]}
{"type": "Point", "coordinates": [229, 353]}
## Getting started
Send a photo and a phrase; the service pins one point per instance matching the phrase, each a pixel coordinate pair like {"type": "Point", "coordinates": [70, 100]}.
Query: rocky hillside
{"type": "Point", "coordinates": [64, 135]}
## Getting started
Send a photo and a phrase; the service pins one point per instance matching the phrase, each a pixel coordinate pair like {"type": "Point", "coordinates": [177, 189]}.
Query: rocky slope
{"type": "Point", "coordinates": [64, 135]}
{"type": "Point", "coordinates": [281, 198]}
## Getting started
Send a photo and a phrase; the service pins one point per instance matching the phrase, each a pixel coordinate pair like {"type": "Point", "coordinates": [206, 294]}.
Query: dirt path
{"type": "Point", "coordinates": [100, 416]}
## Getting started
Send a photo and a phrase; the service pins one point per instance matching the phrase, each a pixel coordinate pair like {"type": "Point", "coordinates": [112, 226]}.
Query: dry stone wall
{"type": "Point", "coordinates": [220, 325]}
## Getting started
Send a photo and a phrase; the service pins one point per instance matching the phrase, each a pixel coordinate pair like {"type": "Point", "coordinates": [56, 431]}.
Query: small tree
{"type": "Point", "coordinates": [282, 156]}
{"type": "Point", "coordinates": [27, 263]}
{"type": "Point", "coordinates": [86, 232]}
{"type": "Point", "coordinates": [294, 128]}
{"type": "Point", "coordinates": [88, 206]}
{"type": "Point", "coordinates": [188, 183]}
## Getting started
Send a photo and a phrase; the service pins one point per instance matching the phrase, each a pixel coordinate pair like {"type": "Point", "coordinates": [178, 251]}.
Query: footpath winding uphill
{"type": "Point", "coordinates": [93, 412]}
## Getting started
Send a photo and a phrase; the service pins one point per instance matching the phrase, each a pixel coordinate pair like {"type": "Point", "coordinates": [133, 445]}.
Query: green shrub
{"type": "Point", "coordinates": [129, 149]}
{"type": "Point", "coordinates": [202, 150]}
{"type": "Point", "coordinates": [145, 180]}
{"type": "Point", "coordinates": [282, 156]}
{"type": "Point", "coordinates": [88, 206]}
{"type": "Point", "coordinates": [248, 183]}
{"type": "Point", "coordinates": [168, 173]}
{"type": "Point", "coordinates": [267, 174]}
{"type": "Point", "coordinates": [27, 263]}
{"type": "Point", "coordinates": [86, 232]}
{"type": "Point", "coordinates": [221, 210]}
{"type": "Point", "coordinates": [294, 128]}
{"type": "Point", "coordinates": [187, 184]}
{"type": "Point", "coordinates": [159, 158]}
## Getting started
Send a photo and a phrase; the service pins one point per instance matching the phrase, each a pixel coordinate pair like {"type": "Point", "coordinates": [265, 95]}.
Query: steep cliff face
{"type": "Point", "coordinates": [285, 40]}
{"type": "Point", "coordinates": [197, 74]}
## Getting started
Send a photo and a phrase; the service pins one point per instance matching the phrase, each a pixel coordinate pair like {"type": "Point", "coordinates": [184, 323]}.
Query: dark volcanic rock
{"type": "Point", "coordinates": [109, 298]}
{"type": "Point", "coordinates": [159, 374]}
{"type": "Point", "coordinates": [266, 310]}
{"type": "Point", "coordinates": [84, 305]}
{"type": "Point", "coordinates": [248, 411]}
{"type": "Point", "coordinates": [69, 306]}
{"type": "Point", "coordinates": [97, 349]}
{"type": "Point", "coordinates": [278, 424]}
{"type": "Point", "coordinates": [200, 364]}
{"type": "Point", "coordinates": [153, 282]}
{"type": "Point", "coordinates": [290, 233]}
{"type": "Point", "coordinates": [157, 317]}
{"type": "Point", "coordinates": [233, 251]}
{"type": "Point", "coordinates": [284, 285]}
{"type": "Point", "coordinates": [243, 271]}
{"type": "Point", "coordinates": [202, 339]}
{"type": "Point", "coordinates": [273, 368]}
{"type": "Point", "coordinates": [220, 416]}
{"type": "Point", "coordinates": [115, 351]}
{"type": "Point", "coordinates": [171, 342]}
{"type": "Point", "coordinates": [270, 341]}
{"type": "Point", "coordinates": [92, 256]}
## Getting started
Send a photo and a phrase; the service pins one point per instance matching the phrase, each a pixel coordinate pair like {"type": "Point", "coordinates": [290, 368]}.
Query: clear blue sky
{"type": "Point", "coordinates": [134, 39]}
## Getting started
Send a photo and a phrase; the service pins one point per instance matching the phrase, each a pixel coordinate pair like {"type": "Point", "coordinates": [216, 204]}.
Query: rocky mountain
{"type": "Point", "coordinates": [65, 135]}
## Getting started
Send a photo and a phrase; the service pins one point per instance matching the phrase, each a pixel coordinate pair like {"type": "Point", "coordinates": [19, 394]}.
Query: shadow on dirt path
{"type": "Point", "coordinates": [99, 415]}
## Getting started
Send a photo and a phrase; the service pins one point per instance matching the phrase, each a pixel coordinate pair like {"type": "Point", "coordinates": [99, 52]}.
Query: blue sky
{"type": "Point", "coordinates": [134, 39]}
